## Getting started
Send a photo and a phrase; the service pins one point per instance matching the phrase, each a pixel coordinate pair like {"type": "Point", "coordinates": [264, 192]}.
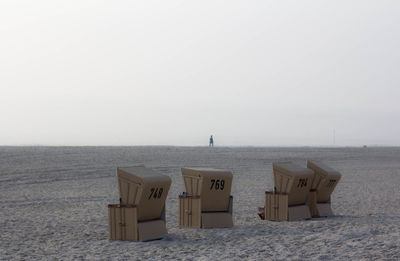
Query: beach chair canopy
{"type": "Point", "coordinates": [144, 188]}
{"type": "Point", "coordinates": [325, 180]}
{"type": "Point", "coordinates": [293, 180]}
{"type": "Point", "coordinates": [212, 185]}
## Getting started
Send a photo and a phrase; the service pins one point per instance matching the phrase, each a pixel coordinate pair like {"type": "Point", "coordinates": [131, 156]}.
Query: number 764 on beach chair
{"type": "Point", "coordinates": [300, 193]}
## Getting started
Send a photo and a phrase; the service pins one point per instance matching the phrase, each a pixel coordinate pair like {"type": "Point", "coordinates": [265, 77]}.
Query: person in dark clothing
{"type": "Point", "coordinates": [211, 141]}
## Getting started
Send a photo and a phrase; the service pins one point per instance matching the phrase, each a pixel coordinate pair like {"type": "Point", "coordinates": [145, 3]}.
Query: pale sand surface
{"type": "Point", "coordinates": [53, 205]}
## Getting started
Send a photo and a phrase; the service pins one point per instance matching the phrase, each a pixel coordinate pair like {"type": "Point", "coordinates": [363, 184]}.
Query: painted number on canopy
{"type": "Point", "coordinates": [217, 184]}
{"type": "Point", "coordinates": [302, 183]}
{"type": "Point", "coordinates": [156, 193]}
{"type": "Point", "coordinates": [331, 183]}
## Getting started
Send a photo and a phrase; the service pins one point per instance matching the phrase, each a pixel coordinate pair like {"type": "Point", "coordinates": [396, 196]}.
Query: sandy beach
{"type": "Point", "coordinates": [53, 205]}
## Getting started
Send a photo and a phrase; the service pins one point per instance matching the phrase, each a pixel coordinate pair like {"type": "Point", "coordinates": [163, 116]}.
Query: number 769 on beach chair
{"type": "Point", "coordinates": [207, 202]}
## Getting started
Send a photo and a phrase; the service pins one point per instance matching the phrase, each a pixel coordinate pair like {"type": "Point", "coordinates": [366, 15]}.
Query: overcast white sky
{"type": "Point", "coordinates": [267, 73]}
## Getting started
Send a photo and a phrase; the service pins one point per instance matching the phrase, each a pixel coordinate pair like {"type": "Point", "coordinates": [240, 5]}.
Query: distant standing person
{"type": "Point", "coordinates": [211, 141]}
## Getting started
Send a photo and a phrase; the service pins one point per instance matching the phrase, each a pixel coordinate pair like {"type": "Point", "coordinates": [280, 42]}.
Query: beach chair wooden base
{"type": "Point", "coordinates": [298, 213]}
{"type": "Point", "coordinates": [312, 203]}
{"type": "Point", "coordinates": [190, 214]}
{"type": "Point", "coordinates": [189, 211]}
{"type": "Point", "coordinates": [123, 224]}
{"type": "Point", "coordinates": [319, 209]}
{"type": "Point", "coordinates": [324, 210]}
{"type": "Point", "coordinates": [276, 208]}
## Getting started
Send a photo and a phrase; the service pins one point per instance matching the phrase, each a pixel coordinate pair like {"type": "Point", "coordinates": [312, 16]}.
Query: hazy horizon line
{"type": "Point", "coordinates": [216, 146]}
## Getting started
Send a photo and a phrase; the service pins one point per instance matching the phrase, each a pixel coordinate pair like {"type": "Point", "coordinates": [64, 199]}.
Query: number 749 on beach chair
{"type": "Point", "coordinates": [141, 214]}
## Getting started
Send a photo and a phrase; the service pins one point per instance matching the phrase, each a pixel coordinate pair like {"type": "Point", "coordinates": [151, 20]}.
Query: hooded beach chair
{"type": "Point", "coordinates": [141, 212]}
{"type": "Point", "coordinates": [289, 199]}
{"type": "Point", "coordinates": [207, 201]}
{"type": "Point", "coordinates": [324, 184]}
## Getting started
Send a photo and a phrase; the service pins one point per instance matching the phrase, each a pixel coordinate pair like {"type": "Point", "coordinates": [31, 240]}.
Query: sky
{"type": "Point", "coordinates": [252, 73]}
